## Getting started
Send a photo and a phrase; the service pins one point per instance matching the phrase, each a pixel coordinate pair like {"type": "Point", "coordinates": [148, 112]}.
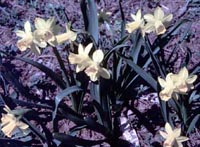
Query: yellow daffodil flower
{"type": "Point", "coordinates": [172, 137]}
{"type": "Point", "coordinates": [168, 86]}
{"type": "Point", "coordinates": [46, 30]}
{"type": "Point", "coordinates": [137, 23]}
{"type": "Point", "coordinates": [182, 81]}
{"type": "Point", "coordinates": [94, 70]}
{"type": "Point", "coordinates": [27, 40]}
{"type": "Point", "coordinates": [9, 123]}
{"type": "Point", "coordinates": [176, 83]}
{"type": "Point", "coordinates": [82, 59]}
{"type": "Point", "coordinates": [69, 35]}
{"type": "Point", "coordinates": [157, 21]}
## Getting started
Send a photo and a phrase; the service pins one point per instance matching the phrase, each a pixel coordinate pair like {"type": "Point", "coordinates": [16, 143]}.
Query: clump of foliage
{"type": "Point", "coordinates": [107, 76]}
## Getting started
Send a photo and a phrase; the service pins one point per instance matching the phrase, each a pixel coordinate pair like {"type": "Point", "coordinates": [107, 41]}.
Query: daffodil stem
{"type": "Point", "coordinates": [61, 63]}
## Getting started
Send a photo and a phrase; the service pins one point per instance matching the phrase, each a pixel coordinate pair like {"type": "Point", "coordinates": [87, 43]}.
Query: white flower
{"type": "Point", "coordinates": [94, 70]}
{"type": "Point", "coordinates": [9, 123]}
{"type": "Point", "coordinates": [27, 40]}
{"type": "Point", "coordinates": [157, 21]}
{"type": "Point", "coordinates": [82, 59]}
{"type": "Point", "coordinates": [137, 23]}
{"type": "Point", "coordinates": [172, 137]}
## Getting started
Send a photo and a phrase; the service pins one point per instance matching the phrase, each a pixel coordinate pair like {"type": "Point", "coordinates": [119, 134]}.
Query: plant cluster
{"type": "Point", "coordinates": [107, 76]}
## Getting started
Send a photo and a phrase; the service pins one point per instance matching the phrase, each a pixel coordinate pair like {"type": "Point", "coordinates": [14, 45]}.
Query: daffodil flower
{"type": "Point", "coordinates": [182, 81]}
{"type": "Point", "coordinates": [82, 59]}
{"type": "Point", "coordinates": [46, 30]}
{"type": "Point", "coordinates": [157, 21]}
{"type": "Point", "coordinates": [176, 83]}
{"type": "Point", "coordinates": [94, 70]}
{"type": "Point", "coordinates": [69, 35]}
{"type": "Point", "coordinates": [137, 23]}
{"type": "Point", "coordinates": [168, 86]}
{"type": "Point", "coordinates": [172, 137]}
{"type": "Point", "coordinates": [9, 123]}
{"type": "Point", "coordinates": [27, 40]}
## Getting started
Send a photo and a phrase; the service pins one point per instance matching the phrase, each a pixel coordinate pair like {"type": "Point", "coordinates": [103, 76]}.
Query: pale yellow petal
{"type": "Point", "coordinates": [158, 13]}
{"type": "Point", "coordinates": [163, 134]}
{"type": "Point", "coordinates": [40, 23]}
{"type": "Point", "coordinates": [98, 56]}
{"type": "Point", "coordinates": [191, 79]}
{"type": "Point", "coordinates": [149, 18]}
{"type": "Point", "coordinates": [50, 22]}
{"type": "Point", "coordinates": [177, 132]}
{"type": "Point", "coordinates": [168, 128]}
{"type": "Point", "coordinates": [133, 17]}
{"type": "Point", "coordinates": [162, 82]}
{"type": "Point", "coordinates": [22, 125]}
{"type": "Point", "coordinates": [88, 48]}
{"type": "Point", "coordinates": [27, 27]}
{"type": "Point", "coordinates": [69, 35]}
{"type": "Point", "coordinates": [167, 18]}
{"type": "Point", "coordinates": [21, 34]}
{"type": "Point", "coordinates": [104, 73]}
{"type": "Point", "coordinates": [138, 15]}
{"type": "Point", "coordinates": [130, 27]}
{"type": "Point", "coordinates": [183, 74]}
{"type": "Point", "coordinates": [24, 43]}
{"type": "Point", "coordinates": [35, 49]}
{"type": "Point", "coordinates": [149, 27]}
{"type": "Point", "coordinates": [182, 139]}
{"type": "Point", "coordinates": [166, 94]}
{"type": "Point", "coordinates": [80, 49]}
{"type": "Point", "coordinates": [74, 58]}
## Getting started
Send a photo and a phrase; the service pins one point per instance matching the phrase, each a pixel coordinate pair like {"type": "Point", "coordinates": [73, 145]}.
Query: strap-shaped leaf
{"type": "Point", "coordinates": [7, 142]}
{"type": "Point", "coordinates": [63, 94]}
{"type": "Point", "coordinates": [90, 18]}
{"type": "Point", "coordinates": [123, 19]}
{"type": "Point", "coordinates": [149, 79]}
{"type": "Point", "coordinates": [46, 70]}
{"type": "Point", "coordinates": [193, 123]}
{"type": "Point", "coordinates": [71, 140]}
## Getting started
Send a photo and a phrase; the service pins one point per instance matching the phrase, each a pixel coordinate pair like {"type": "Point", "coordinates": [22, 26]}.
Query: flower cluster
{"type": "Point", "coordinates": [176, 83]}
{"type": "Point", "coordinates": [90, 65]}
{"type": "Point", "coordinates": [172, 137]}
{"type": "Point", "coordinates": [45, 33]}
{"type": "Point", "coordinates": [9, 123]}
{"type": "Point", "coordinates": [154, 23]}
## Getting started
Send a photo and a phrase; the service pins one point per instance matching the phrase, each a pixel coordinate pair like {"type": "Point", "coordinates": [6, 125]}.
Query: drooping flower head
{"type": "Point", "coordinates": [182, 81]}
{"type": "Point", "coordinates": [172, 137]}
{"type": "Point", "coordinates": [9, 123]}
{"type": "Point", "coordinates": [27, 40]}
{"type": "Point", "coordinates": [137, 23]}
{"type": "Point", "coordinates": [90, 66]}
{"type": "Point", "coordinates": [176, 83]}
{"type": "Point", "coordinates": [157, 22]}
{"type": "Point", "coordinates": [69, 35]}
{"type": "Point", "coordinates": [82, 59]}
{"type": "Point", "coordinates": [46, 30]}
{"type": "Point", "coordinates": [94, 70]}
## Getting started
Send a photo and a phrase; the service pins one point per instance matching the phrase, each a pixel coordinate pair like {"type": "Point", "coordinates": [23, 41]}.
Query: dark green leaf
{"type": "Point", "coordinates": [71, 140]}
{"type": "Point", "coordinates": [193, 123]}
{"type": "Point", "coordinates": [46, 70]}
{"type": "Point", "coordinates": [63, 94]}
{"type": "Point", "coordinates": [152, 82]}
{"type": "Point", "coordinates": [90, 18]}
{"type": "Point", "coordinates": [123, 19]}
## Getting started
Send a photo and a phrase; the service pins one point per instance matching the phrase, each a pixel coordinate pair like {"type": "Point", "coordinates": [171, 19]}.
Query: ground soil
{"type": "Point", "coordinates": [13, 14]}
